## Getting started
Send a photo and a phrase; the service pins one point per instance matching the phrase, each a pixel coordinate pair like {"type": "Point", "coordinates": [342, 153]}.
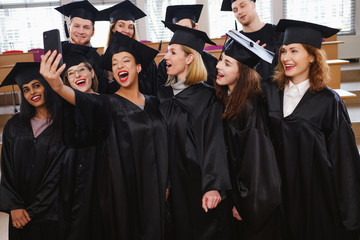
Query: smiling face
{"type": "Point", "coordinates": [125, 69]}
{"type": "Point", "coordinates": [34, 93]}
{"type": "Point", "coordinates": [80, 31]}
{"type": "Point", "coordinates": [228, 72]}
{"type": "Point", "coordinates": [177, 62]}
{"type": "Point", "coordinates": [244, 11]}
{"type": "Point", "coordinates": [125, 27]}
{"type": "Point", "coordinates": [296, 62]}
{"type": "Point", "coordinates": [80, 77]}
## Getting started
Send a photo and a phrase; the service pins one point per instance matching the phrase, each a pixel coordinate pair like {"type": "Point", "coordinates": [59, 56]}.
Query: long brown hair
{"type": "Point", "coordinates": [247, 85]}
{"type": "Point", "coordinates": [196, 71]}
{"type": "Point", "coordinates": [319, 72]}
{"type": "Point", "coordinates": [94, 80]}
{"type": "Point", "coordinates": [111, 33]}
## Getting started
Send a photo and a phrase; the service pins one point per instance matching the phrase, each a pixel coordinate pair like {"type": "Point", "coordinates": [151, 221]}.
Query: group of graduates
{"type": "Point", "coordinates": [252, 145]}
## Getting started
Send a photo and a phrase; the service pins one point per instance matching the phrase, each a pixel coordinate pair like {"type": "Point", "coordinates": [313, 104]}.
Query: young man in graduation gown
{"type": "Point", "coordinates": [187, 16]}
{"type": "Point", "coordinates": [81, 27]}
{"type": "Point", "coordinates": [252, 27]}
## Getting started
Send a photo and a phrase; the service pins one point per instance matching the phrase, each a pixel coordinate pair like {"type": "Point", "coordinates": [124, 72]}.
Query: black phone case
{"type": "Point", "coordinates": [52, 42]}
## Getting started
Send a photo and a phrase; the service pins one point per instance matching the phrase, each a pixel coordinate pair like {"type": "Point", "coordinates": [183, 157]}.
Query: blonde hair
{"type": "Point", "coordinates": [196, 71]}
{"type": "Point", "coordinates": [319, 72]}
{"type": "Point", "coordinates": [111, 33]}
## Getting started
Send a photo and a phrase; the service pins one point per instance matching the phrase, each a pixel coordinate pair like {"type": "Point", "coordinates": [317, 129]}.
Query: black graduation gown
{"type": "Point", "coordinates": [134, 167]}
{"type": "Point", "coordinates": [210, 64]}
{"type": "Point", "coordinates": [79, 216]}
{"type": "Point", "coordinates": [30, 169]}
{"type": "Point", "coordinates": [197, 160]}
{"type": "Point", "coordinates": [147, 84]}
{"type": "Point", "coordinates": [273, 40]}
{"type": "Point", "coordinates": [255, 177]}
{"type": "Point", "coordinates": [319, 164]}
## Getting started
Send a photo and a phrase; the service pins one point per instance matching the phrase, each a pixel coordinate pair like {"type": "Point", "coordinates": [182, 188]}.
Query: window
{"type": "Point", "coordinates": [156, 10]}
{"type": "Point", "coordinates": [23, 23]}
{"type": "Point", "coordinates": [332, 13]}
{"type": "Point", "coordinates": [221, 22]}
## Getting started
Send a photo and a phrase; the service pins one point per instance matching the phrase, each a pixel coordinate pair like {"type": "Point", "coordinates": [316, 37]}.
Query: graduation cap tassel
{"type": "Point", "coordinates": [66, 30]}
{"type": "Point", "coordinates": [236, 28]}
{"type": "Point", "coordinates": [14, 100]}
{"type": "Point", "coordinates": [159, 48]}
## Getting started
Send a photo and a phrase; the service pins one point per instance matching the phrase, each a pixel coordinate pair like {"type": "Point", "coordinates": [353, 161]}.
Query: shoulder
{"type": "Point", "coordinates": [13, 124]}
{"type": "Point", "coordinates": [208, 56]}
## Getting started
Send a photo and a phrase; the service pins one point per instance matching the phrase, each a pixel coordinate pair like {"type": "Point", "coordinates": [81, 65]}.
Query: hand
{"type": "Point", "coordinates": [236, 214]}
{"type": "Point", "coordinates": [48, 69]}
{"type": "Point", "coordinates": [258, 42]}
{"type": "Point", "coordinates": [210, 200]}
{"type": "Point", "coordinates": [20, 218]}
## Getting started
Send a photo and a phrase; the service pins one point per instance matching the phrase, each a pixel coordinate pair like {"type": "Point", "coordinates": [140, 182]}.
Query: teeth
{"type": "Point", "coordinates": [35, 98]}
{"type": "Point", "coordinates": [80, 82]}
{"type": "Point", "coordinates": [221, 75]}
{"type": "Point", "coordinates": [123, 74]}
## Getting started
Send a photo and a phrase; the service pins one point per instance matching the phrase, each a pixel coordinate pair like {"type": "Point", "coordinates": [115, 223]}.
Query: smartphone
{"type": "Point", "coordinates": [52, 42]}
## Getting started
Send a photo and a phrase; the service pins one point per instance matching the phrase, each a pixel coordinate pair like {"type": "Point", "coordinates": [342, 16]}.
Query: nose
{"type": "Point", "coordinates": [166, 57]}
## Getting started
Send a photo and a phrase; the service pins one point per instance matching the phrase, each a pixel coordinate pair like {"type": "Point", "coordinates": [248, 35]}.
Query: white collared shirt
{"type": "Point", "coordinates": [179, 86]}
{"type": "Point", "coordinates": [293, 94]}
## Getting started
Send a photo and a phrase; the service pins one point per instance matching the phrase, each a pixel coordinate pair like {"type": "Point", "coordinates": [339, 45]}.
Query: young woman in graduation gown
{"type": "Point", "coordinates": [79, 179]}
{"type": "Point", "coordinates": [255, 178]}
{"type": "Point", "coordinates": [134, 167]}
{"type": "Point", "coordinates": [31, 158]}
{"type": "Point", "coordinates": [315, 144]}
{"type": "Point", "coordinates": [198, 168]}
{"type": "Point", "coordinates": [122, 17]}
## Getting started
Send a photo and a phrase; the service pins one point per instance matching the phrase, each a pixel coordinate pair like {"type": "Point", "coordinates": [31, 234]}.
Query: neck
{"type": "Point", "coordinates": [132, 94]}
{"type": "Point", "coordinates": [41, 112]}
{"type": "Point", "coordinates": [254, 26]}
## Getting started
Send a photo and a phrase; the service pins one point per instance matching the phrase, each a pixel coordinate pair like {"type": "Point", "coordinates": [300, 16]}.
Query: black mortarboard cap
{"type": "Point", "coordinates": [176, 13]}
{"type": "Point", "coordinates": [74, 54]}
{"type": "Point", "coordinates": [23, 73]}
{"type": "Point", "coordinates": [226, 5]}
{"type": "Point", "coordinates": [192, 38]}
{"type": "Point", "coordinates": [81, 9]}
{"type": "Point", "coordinates": [122, 43]}
{"type": "Point", "coordinates": [304, 32]}
{"type": "Point", "coordinates": [125, 10]}
{"type": "Point", "coordinates": [245, 50]}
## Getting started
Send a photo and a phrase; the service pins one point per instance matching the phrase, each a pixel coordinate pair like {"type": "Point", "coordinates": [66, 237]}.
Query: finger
{"type": "Point", "coordinates": [204, 204]}
{"type": "Point", "coordinates": [217, 201]}
{"type": "Point", "coordinates": [21, 222]}
{"type": "Point", "coordinates": [264, 45]}
{"type": "Point", "coordinates": [258, 42]}
{"type": "Point", "coordinates": [27, 215]}
{"type": "Point", "coordinates": [210, 202]}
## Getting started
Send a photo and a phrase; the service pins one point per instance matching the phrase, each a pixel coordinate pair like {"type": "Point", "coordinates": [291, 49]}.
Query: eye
{"type": "Point", "coordinates": [131, 27]}
{"type": "Point", "coordinates": [25, 90]}
{"type": "Point", "coordinates": [70, 73]}
{"type": "Point", "coordinates": [81, 70]}
{"type": "Point", "coordinates": [36, 85]}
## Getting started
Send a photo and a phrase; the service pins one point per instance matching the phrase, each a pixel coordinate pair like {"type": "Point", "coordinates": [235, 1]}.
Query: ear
{"type": "Point", "coordinates": [138, 68]}
{"type": "Point", "coordinates": [189, 59]}
{"type": "Point", "coordinates": [92, 73]}
{"type": "Point", "coordinates": [312, 59]}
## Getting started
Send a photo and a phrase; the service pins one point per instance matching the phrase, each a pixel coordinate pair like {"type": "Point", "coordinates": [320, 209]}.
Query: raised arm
{"type": "Point", "coordinates": [48, 69]}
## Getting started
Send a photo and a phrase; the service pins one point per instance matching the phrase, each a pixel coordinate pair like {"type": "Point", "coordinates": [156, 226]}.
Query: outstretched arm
{"type": "Point", "coordinates": [48, 69]}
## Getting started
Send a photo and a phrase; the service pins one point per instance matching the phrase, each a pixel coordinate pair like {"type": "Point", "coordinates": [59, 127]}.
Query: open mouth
{"type": "Point", "coordinates": [123, 76]}
{"type": "Point", "coordinates": [168, 65]}
{"type": "Point", "coordinates": [36, 98]}
{"type": "Point", "coordinates": [80, 82]}
{"type": "Point", "coordinates": [289, 67]}
{"type": "Point", "coordinates": [219, 75]}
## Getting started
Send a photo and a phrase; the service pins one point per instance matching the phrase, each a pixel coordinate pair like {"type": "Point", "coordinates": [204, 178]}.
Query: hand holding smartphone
{"type": "Point", "coordinates": [52, 42]}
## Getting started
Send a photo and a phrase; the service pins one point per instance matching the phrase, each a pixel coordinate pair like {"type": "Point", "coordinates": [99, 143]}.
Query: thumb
{"type": "Point", "coordinates": [204, 203]}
